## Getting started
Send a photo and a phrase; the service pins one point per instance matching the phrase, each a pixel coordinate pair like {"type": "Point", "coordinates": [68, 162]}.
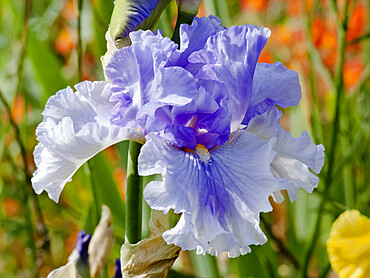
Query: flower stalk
{"type": "Point", "coordinates": [133, 196]}
{"type": "Point", "coordinates": [79, 44]}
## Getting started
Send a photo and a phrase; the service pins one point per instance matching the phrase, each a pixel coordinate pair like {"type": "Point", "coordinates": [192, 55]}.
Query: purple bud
{"type": "Point", "coordinates": [82, 245]}
{"type": "Point", "coordinates": [117, 272]}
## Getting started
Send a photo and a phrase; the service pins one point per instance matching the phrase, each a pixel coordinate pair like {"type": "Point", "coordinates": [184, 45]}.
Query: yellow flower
{"type": "Point", "coordinates": [349, 245]}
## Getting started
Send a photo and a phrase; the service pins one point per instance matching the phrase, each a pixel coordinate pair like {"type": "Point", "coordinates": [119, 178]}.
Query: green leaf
{"type": "Point", "coordinates": [205, 266]}
{"type": "Point", "coordinates": [106, 191]}
{"type": "Point", "coordinates": [46, 65]}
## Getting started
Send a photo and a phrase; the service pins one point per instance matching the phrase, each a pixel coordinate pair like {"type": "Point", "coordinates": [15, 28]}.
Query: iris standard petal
{"type": "Point", "coordinates": [193, 37]}
{"type": "Point", "coordinates": [273, 84]}
{"type": "Point", "coordinates": [231, 56]}
{"type": "Point", "coordinates": [75, 127]}
{"type": "Point", "coordinates": [142, 86]}
{"type": "Point", "coordinates": [220, 192]}
{"type": "Point", "coordinates": [294, 155]}
{"type": "Point", "coordinates": [208, 117]}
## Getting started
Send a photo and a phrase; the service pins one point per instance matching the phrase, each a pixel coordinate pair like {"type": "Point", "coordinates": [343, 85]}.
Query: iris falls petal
{"type": "Point", "coordinates": [220, 192]}
{"type": "Point", "coordinates": [75, 127]}
{"type": "Point", "coordinates": [294, 156]}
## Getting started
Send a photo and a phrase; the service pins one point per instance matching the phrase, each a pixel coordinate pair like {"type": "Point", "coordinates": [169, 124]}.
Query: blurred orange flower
{"type": "Point", "coordinates": [10, 207]}
{"type": "Point", "coordinates": [324, 37]}
{"type": "Point", "coordinates": [255, 5]}
{"type": "Point", "coordinates": [352, 71]}
{"type": "Point", "coordinates": [266, 57]}
{"type": "Point", "coordinates": [18, 109]}
{"type": "Point", "coordinates": [119, 176]}
{"type": "Point", "coordinates": [65, 41]}
{"type": "Point", "coordinates": [357, 22]}
{"type": "Point", "coordinates": [69, 11]}
{"type": "Point", "coordinates": [201, 11]}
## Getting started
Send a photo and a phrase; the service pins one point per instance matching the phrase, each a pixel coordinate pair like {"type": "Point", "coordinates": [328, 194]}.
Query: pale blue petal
{"type": "Point", "coordinates": [231, 56]}
{"type": "Point", "coordinates": [294, 155]}
{"type": "Point", "coordinates": [273, 84]}
{"type": "Point", "coordinates": [193, 37]}
{"type": "Point", "coordinates": [75, 127]}
{"type": "Point", "coordinates": [220, 199]}
{"type": "Point", "coordinates": [143, 87]}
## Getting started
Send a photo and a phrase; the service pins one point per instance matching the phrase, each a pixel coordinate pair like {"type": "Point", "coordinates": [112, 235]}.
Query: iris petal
{"type": "Point", "coordinates": [193, 38]}
{"type": "Point", "coordinates": [273, 84]}
{"type": "Point", "coordinates": [294, 155]}
{"type": "Point", "coordinates": [75, 127]}
{"type": "Point", "coordinates": [143, 87]}
{"type": "Point", "coordinates": [230, 56]}
{"type": "Point", "coordinates": [220, 199]}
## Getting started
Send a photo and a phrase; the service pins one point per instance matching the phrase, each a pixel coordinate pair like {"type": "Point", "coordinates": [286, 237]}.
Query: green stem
{"type": "Point", "coordinates": [205, 266]}
{"type": "Point", "coordinates": [79, 45]}
{"type": "Point", "coordinates": [342, 28]}
{"type": "Point", "coordinates": [315, 114]}
{"type": "Point", "coordinates": [95, 195]}
{"type": "Point", "coordinates": [181, 18]}
{"type": "Point", "coordinates": [218, 8]}
{"type": "Point", "coordinates": [359, 39]}
{"type": "Point", "coordinates": [146, 208]}
{"type": "Point", "coordinates": [284, 250]}
{"type": "Point", "coordinates": [41, 229]}
{"type": "Point", "coordinates": [42, 233]}
{"type": "Point", "coordinates": [133, 196]}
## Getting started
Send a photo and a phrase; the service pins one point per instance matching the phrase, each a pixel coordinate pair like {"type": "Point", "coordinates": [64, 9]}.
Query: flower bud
{"type": "Point", "coordinates": [111, 49]}
{"type": "Point", "coordinates": [150, 257]}
{"type": "Point", "coordinates": [79, 255]}
{"type": "Point", "coordinates": [129, 15]}
{"type": "Point", "coordinates": [101, 243]}
{"type": "Point", "coordinates": [66, 271]}
{"type": "Point", "coordinates": [80, 251]}
{"type": "Point", "coordinates": [117, 269]}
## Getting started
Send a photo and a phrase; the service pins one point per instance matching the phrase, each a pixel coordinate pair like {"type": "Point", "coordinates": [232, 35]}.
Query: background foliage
{"type": "Point", "coordinates": [327, 43]}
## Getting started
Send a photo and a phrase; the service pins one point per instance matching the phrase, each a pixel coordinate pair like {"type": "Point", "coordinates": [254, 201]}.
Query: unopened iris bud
{"type": "Point", "coordinates": [101, 243]}
{"type": "Point", "coordinates": [152, 256]}
{"type": "Point", "coordinates": [79, 255]}
{"type": "Point", "coordinates": [117, 270]}
{"type": "Point", "coordinates": [78, 261]}
{"type": "Point", "coordinates": [127, 15]}
{"type": "Point", "coordinates": [130, 15]}
{"type": "Point", "coordinates": [80, 251]}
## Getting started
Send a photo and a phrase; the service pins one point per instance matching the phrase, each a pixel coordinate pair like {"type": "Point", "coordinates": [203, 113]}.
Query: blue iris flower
{"type": "Point", "coordinates": [207, 114]}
